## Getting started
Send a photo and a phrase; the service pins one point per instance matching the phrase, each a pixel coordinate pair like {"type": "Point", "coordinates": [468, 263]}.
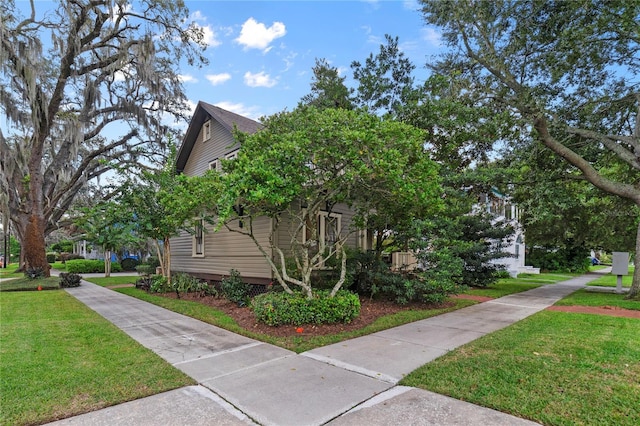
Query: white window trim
{"type": "Point", "coordinates": [322, 222]}
{"type": "Point", "coordinates": [232, 155]}
{"type": "Point", "coordinates": [206, 131]}
{"type": "Point", "coordinates": [215, 165]}
{"type": "Point", "coordinates": [194, 248]}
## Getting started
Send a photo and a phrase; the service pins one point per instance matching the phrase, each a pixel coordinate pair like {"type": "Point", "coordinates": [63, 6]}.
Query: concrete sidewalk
{"type": "Point", "coordinates": [244, 381]}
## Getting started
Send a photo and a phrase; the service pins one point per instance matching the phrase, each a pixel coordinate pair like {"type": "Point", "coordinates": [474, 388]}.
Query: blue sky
{"type": "Point", "coordinates": [261, 53]}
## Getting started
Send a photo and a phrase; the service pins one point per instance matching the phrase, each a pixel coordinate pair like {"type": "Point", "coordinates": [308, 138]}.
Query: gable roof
{"type": "Point", "coordinates": [204, 112]}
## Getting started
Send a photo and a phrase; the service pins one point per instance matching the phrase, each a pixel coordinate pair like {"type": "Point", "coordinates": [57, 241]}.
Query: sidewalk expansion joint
{"type": "Point", "coordinates": [353, 368]}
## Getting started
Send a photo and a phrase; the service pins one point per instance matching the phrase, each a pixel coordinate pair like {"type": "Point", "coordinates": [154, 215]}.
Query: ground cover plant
{"type": "Point", "coordinates": [59, 359]}
{"type": "Point", "coordinates": [554, 368]}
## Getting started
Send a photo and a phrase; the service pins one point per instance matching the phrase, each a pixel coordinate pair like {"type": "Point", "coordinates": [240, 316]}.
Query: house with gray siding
{"type": "Point", "coordinates": [210, 254]}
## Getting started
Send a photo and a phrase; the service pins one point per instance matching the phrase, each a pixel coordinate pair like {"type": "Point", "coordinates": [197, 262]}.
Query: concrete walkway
{"type": "Point", "coordinates": [244, 381]}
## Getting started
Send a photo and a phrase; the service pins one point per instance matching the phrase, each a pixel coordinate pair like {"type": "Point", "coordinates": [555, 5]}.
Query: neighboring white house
{"type": "Point", "coordinates": [502, 209]}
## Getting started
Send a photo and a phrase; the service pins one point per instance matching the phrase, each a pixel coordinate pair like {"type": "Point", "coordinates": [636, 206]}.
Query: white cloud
{"type": "Point", "coordinates": [238, 108]}
{"type": "Point", "coordinates": [255, 35]}
{"type": "Point", "coordinates": [216, 79]}
{"type": "Point", "coordinates": [198, 16]}
{"type": "Point", "coordinates": [186, 78]}
{"type": "Point", "coordinates": [209, 36]}
{"type": "Point", "coordinates": [432, 36]}
{"type": "Point", "coordinates": [259, 80]}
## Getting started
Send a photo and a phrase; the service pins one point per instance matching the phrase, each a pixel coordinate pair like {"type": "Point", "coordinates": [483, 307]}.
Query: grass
{"type": "Point", "coordinates": [105, 282]}
{"type": "Point", "coordinates": [554, 368]}
{"type": "Point", "coordinates": [589, 298]}
{"type": "Point", "coordinates": [10, 272]}
{"type": "Point", "coordinates": [59, 359]}
{"type": "Point", "coordinates": [59, 266]}
{"type": "Point", "coordinates": [297, 344]}
{"type": "Point", "coordinates": [612, 281]}
{"type": "Point", "coordinates": [506, 286]}
{"type": "Point", "coordinates": [27, 284]}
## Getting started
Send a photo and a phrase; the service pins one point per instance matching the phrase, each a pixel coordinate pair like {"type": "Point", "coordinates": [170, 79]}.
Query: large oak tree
{"type": "Point", "coordinates": [82, 84]}
{"type": "Point", "coordinates": [567, 69]}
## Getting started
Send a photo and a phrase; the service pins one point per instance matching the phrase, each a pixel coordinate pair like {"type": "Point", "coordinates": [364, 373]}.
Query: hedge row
{"type": "Point", "coordinates": [85, 266]}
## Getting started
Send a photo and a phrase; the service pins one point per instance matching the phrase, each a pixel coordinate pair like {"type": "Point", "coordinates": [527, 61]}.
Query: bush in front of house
{"type": "Point", "coordinates": [86, 266]}
{"type": "Point", "coordinates": [129, 264]}
{"type": "Point", "coordinates": [51, 257]}
{"type": "Point", "coordinates": [235, 289]}
{"type": "Point", "coordinates": [404, 288]}
{"type": "Point", "coordinates": [278, 308]}
{"type": "Point", "coordinates": [69, 280]}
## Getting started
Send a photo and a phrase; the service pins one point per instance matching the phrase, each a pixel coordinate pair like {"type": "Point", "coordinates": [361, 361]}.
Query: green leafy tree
{"type": "Point", "coordinates": [112, 66]}
{"type": "Point", "coordinates": [105, 226]}
{"type": "Point", "coordinates": [306, 161]}
{"type": "Point", "coordinates": [327, 88]}
{"type": "Point", "coordinates": [161, 203]}
{"type": "Point", "coordinates": [567, 70]}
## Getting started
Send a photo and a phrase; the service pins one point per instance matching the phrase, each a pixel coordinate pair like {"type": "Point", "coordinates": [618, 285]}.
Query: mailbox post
{"type": "Point", "coordinates": [620, 267]}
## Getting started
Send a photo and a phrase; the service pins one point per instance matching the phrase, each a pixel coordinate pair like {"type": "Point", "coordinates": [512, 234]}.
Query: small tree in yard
{"type": "Point", "coordinates": [305, 162]}
{"type": "Point", "coordinates": [162, 203]}
{"type": "Point", "coordinates": [103, 225]}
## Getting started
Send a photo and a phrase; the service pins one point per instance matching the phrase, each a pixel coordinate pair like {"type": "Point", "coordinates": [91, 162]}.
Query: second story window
{"type": "Point", "coordinates": [206, 131]}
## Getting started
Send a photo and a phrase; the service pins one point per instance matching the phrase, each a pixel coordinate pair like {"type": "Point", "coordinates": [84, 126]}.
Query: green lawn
{"type": "Point", "coordinates": [10, 272]}
{"type": "Point", "coordinates": [59, 359]}
{"type": "Point", "coordinates": [553, 368]}
{"type": "Point", "coordinates": [27, 284]}
{"type": "Point", "coordinates": [506, 286]}
{"type": "Point", "coordinates": [589, 298]}
{"type": "Point", "coordinates": [612, 280]}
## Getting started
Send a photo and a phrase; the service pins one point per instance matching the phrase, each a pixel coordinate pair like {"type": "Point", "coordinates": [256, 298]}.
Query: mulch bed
{"type": "Point", "coordinates": [370, 310]}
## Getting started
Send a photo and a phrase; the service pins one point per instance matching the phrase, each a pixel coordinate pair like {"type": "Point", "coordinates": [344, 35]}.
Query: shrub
{"type": "Point", "coordinates": [68, 280]}
{"type": "Point", "coordinates": [568, 259]}
{"type": "Point", "coordinates": [51, 257]}
{"type": "Point", "coordinates": [145, 269]}
{"type": "Point", "coordinates": [64, 257]}
{"type": "Point", "coordinates": [129, 264]}
{"type": "Point", "coordinates": [152, 261]}
{"type": "Point", "coordinates": [159, 284]}
{"type": "Point", "coordinates": [404, 288]}
{"type": "Point", "coordinates": [276, 308]}
{"type": "Point", "coordinates": [234, 289]}
{"type": "Point", "coordinates": [184, 283]}
{"type": "Point", "coordinates": [85, 266]}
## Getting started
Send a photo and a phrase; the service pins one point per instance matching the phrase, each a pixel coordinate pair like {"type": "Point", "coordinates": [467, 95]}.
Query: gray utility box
{"type": "Point", "coordinates": [620, 263]}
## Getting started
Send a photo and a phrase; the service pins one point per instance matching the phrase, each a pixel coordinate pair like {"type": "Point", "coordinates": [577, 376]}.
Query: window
{"type": "Point", "coordinates": [198, 239]}
{"type": "Point", "coordinates": [232, 156]}
{"type": "Point", "coordinates": [206, 131]}
{"type": "Point", "coordinates": [327, 231]}
{"type": "Point", "coordinates": [215, 165]}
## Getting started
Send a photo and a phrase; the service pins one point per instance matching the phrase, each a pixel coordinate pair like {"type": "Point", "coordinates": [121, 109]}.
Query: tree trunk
{"type": "Point", "coordinates": [634, 292]}
{"type": "Point", "coordinates": [107, 263]}
{"type": "Point", "coordinates": [167, 259]}
{"type": "Point", "coordinates": [34, 246]}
